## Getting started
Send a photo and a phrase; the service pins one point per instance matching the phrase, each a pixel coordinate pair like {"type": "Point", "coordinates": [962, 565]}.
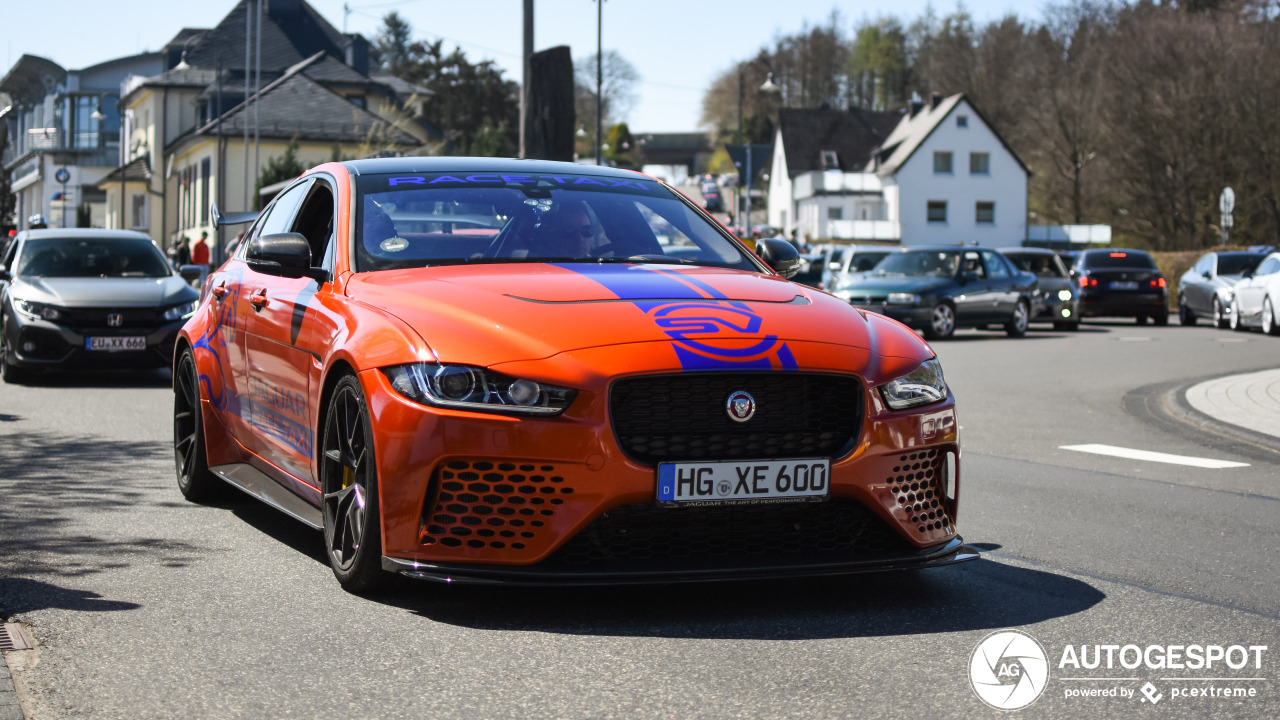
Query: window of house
{"type": "Point", "coordinates": [941, 163]}
{"type": "Point", "coordinates": [962, 121]}
{"type": "Point", "coordinates": [985, 213]}
{"type": "Point", "coordinates": [835, 213]}
{"type": "Point", "coordinates": [979, 163]}
{"type": "Point", "coordinates": [357, 100]}
{"type": "Point", "coordinates": [138, 216]}
{"type": "Point", "coordinates": [205, 173]}
{"type": "Point", "coordinates": [937, 211]}
{"type": "Point", "coordinates": [829, 160]}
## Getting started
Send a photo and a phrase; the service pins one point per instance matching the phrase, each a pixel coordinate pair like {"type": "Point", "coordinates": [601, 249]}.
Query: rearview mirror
{"type": "Point", "coordinates": [779, 255]}
{"type": "Point", "coordinates": [283, 254]}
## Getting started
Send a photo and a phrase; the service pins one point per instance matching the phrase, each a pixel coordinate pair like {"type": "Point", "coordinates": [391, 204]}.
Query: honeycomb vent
{"type": "Point", "coordinates": [917, 486]}
{"type": "Point", "coordinates": [484, 504]}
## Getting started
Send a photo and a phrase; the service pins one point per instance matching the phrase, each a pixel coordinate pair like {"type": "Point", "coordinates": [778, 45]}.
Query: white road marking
{"type": "Point", "coordinates": [1131, 454]}
{"type": "Point", "coordinates": [1134, 338]}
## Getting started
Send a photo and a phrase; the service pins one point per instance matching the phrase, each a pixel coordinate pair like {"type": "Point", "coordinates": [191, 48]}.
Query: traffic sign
{"type": "Point", "coordinates": [1227, 201]}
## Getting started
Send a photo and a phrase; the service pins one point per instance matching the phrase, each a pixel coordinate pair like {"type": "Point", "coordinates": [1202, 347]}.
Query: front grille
{"type": "Point", "coordinates": [640, 534]}
{"type": "Point", "coordinates": [131, 317]}
{"type": "Point", "coordinates": [868, 299]}
{"type": "Point", "coordinates": [672, 418]}
{"type": "Point", "coordinates": [493, 504]}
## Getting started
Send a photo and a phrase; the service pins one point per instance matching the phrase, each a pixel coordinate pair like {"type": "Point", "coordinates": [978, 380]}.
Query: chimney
{"type": "Point", "coordinates": [358, 53]}
{"type": "Point", "coordinates": [916, 107]}
{"type": "Point", "coordinates": [935, 100]}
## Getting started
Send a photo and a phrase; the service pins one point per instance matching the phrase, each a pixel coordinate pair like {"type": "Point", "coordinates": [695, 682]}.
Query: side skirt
{"type": "Point", "coordinates": [254, 482]}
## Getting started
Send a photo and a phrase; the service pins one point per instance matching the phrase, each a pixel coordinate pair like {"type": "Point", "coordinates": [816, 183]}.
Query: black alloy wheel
{"type": "Point", "coordinates": [195, 482]}
{"type": "Point", "coordinates": [349, 481]}
{"type": "Point", "coordinates": [1017, 325]}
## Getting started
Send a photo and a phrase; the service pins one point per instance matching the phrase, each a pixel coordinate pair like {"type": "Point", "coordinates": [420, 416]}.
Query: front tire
{"type": "Point", "coordinates": [1219, 317]}
{"type": "Point", "coordinates": [349, 481]}
{"type": "Point", "coordinates": [195, 482]}
{"type": "Point", "coordinates": [1017, 325]}
{"type": "Point", "coordinates": [1269, 325]}
{"type": "Point", "coordinates": [1236, 323]}
{"type": "Point", "coordinates": [1185, 315]}
{"type": "Point", "coordinates": [942, 322]}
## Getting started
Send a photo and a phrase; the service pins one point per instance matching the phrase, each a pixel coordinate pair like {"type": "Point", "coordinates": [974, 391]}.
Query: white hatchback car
{"type": "Point", "coordinates": [1257, 297]}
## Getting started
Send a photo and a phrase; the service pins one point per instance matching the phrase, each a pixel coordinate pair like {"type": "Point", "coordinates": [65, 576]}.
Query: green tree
{"type": "Point", "coordinates": [280, 168]}
{"type": "Point", "coordinates": [392, 43]}
{"type": "Point", "coordinates": [622, 146]}
{"type": "Point", "coordinates": [618, 81]}
{"type": "Point", "coordinates": [878, 70]}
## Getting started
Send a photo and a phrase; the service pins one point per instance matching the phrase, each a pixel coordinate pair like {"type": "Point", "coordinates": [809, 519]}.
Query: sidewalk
{"type": "Point", "coordinates": [1250, 401]}
{"type": "Point", "coordinates": [9, 709]}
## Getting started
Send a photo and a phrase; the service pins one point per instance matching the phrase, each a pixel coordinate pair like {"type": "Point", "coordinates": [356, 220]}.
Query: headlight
{"type": "Point", "coordinates": [38, 311]}
{"type": "Point", "coordinates": [1228, 293]}
{"type": "Point", "coordinates": [921, 386]}
{"type": "Point", "coordinates": [1064, 295]}
{"type": "Point", "coordinates": [184, 310]}
{"type": "Point", "coordinates": [903, 299]}
{"type": "Point", "coordinates": [473, 388]}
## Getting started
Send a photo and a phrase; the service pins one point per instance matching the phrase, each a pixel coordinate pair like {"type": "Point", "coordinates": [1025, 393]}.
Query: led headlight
{"type": "Point", "coordinates": [37, 311]}
{"type": "Point", "coordinates": [903, 299]}
{"type": "Point", "coordinates": [184, 310]}
{"type": "Point", "coordinates": [921, 386]}
{"type": "Point", "coordinates": [472, 388]}
{"type": "Point", "coordinates": [1064, 295]}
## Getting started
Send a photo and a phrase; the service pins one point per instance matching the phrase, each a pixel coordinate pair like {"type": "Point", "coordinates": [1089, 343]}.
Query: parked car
{"type": "Point", "coordinates": [86, 298]}
{"type": "Point", "coordinates": [1256, 298]}
{"type": "Point", "coordinates": [551, 397]}
{"type": "Point", "coordinates": [711, 201]}
{"type": "Point", "coordinates": [1121, 283]}
{"type": "Point", "coordinates": [811, 270]}
{"type": "Point", "coordinates": [847, 262]}
{"type": "Point", "coordinates": [1056, 300]}
{"type": "Point", "coordinates": [1207, 289]}
{"type": "Point", "coordinates": [937, 289]}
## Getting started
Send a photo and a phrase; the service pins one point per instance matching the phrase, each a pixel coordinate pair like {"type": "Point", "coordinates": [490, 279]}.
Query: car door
{"type": "Point", "coordinates": [1198, 292]}
{"type": "Point", "coordinates": [287, 332]}
{"type": "Point", "coordinates": [1002, 285]}
{"type": "Point", "coordinates": [973, 299]}
{"type": "Point", "coordinates": [1249, 291]}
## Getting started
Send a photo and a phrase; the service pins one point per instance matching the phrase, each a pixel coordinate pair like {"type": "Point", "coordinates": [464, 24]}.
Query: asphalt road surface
{"type": "Point", "coordinates": [146, 606]}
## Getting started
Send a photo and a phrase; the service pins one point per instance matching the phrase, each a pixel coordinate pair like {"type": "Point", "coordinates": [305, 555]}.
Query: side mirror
{"type": "Point", "coordinates": [283, 254]}
{"type": "Point", "coordinates": [192, 273]}
{"type": "Point", "coordinates": [779, 255]}
{"type": "Point", "coordinates": [1208, 275]}
{"type": "Point", "coordinates": [1246, 274]}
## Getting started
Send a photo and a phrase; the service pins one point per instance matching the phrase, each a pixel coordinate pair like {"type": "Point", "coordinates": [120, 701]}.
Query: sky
{"type": "Point", "coordinates": [678, 46]}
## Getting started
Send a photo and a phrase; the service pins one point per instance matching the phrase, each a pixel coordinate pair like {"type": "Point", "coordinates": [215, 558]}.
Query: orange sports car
{"type": "Point", "coordinates": [505, 371]}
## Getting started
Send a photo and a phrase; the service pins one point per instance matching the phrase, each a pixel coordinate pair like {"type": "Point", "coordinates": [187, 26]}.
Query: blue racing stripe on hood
{"type": "Point", "coordinates": [696, 316]}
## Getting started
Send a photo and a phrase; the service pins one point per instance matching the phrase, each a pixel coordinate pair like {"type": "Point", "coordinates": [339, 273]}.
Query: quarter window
{"type": "Point", "coordinates": [942, 163]}
{"type": "Point", "coordinates": [937, 211]}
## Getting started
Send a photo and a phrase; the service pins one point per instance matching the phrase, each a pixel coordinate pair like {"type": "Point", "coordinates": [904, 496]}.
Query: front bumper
{"type": "Point", "coordinates": [504, 499]}
{"type": "Point", "coordinates": [37, 344]}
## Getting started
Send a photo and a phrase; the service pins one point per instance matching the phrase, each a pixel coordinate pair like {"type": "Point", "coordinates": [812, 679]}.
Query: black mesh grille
{"type": "Point", "coordinates": [734, 534]}
{"type": "Point", "coordinates": [131, 317]}
{"type": "Point", "coordinates": [670, 418]}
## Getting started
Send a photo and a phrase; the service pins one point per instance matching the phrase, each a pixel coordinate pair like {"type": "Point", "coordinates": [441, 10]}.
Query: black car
{"type": "Point", "coordinates": [88, 298]}
{"type": "Point", "coordinates": [1056, 300]}
{"type": "Point", "coordinates": [711, 201]}
{"type": "Point", "coordinates": [1207, 289]}
{"type": "Point", "coordinates": [939, 288]}
{"type": "Point", "coordinates": [1121, 283]}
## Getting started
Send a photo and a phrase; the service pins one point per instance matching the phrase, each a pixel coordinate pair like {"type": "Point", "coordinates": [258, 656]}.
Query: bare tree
{"type": "Point", "coordinates": [618, 90]}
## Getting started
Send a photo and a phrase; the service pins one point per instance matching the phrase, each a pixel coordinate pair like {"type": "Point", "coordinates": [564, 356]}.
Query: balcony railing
{"type": "Point", "coordinates": [43, 138]}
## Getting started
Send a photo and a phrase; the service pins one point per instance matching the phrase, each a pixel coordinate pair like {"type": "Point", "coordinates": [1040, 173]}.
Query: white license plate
{"type": "Point", "coordinates": [1124, 285]}
{"type": "Point", "coordinates": [748, 481]}
{"type": "Point", "coordinates": [115, 344]}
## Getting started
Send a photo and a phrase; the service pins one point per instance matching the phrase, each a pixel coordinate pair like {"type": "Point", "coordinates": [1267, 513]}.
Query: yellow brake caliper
{"type": "Point", "coordinates": [348, 477]}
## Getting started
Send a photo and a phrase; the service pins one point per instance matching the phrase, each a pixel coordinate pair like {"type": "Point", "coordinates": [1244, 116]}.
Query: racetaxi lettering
{"type": "Point", "coordinates": [535, 180]}
{"type": "Point", "coordinates": [708, 331]}
{"type": "Point", "coordinates": [265, 391]}
{"type": "Point", "coordinates": [295, 435]}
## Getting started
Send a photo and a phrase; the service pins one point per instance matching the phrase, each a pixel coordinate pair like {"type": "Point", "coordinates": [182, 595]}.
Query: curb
{"type": "Point", "coordinates": [1177, 406]}
{"type": "Point", "coordinates": [1166, 404]}
{"type": "Point", "coordinates": [9, 708]}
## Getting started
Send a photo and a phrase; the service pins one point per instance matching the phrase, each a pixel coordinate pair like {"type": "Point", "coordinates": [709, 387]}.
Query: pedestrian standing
{"type": "Point", "coordinates": [183, 251]}
{"type": "Point", "coordinates": [200, 251]}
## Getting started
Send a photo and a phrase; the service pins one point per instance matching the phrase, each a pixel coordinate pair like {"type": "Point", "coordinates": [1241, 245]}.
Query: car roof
{"type": "Point", "coordinates": [956, 248]}
{"type": "Point", "coordinates": [1027, 251]}
{"type": "Point", "coordinates": [86, 233]}
{"type": "Point", "coordinates": [1094, 251]}
{"type": "Point", "coordinates": [373, 166]}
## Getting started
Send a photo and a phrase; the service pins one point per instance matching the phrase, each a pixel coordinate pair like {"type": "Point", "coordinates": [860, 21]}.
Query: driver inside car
{"type": "Point", "coordinates": [568, 232]}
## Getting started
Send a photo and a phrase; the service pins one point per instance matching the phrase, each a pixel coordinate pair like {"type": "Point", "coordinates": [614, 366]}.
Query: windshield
{"type": "Point", "coordinates": [1039, 265]}
{"type": "Point", "coordinates": [92, 257]}
{"type": "Point", "coordinates": [441, 219]}
{"type": "Point", "coordinates": [1117, 259]}
{"type": "Point", "coordinates": [936, 263]}
{"type": "Point", "coordinates": [1236, 264]}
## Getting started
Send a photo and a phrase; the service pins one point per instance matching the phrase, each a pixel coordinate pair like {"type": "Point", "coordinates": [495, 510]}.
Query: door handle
{"type": "Point", "coordinates": [259, 301]}
{"type": "Point", "coordinates": [219, 292]}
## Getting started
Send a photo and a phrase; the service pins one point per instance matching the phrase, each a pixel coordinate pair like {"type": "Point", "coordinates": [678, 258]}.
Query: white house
{"type": "Point", "coordinates": [937, 173]}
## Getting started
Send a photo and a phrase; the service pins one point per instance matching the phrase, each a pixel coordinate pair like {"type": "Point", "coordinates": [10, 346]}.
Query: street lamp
{"type": "Point", "coordinates": [768, 87]}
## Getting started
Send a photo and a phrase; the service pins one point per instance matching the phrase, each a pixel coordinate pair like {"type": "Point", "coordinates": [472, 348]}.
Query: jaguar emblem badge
{"type": "Point", "coordinates": [115, 319]}
{"type": "Point", "coordinates": [740, 406]}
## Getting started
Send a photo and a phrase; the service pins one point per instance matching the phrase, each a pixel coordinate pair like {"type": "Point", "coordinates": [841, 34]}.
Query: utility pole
{"type": "Point", "coordinates": [599, 78]}
{"type": "Point", "coordinates": [524, 84]}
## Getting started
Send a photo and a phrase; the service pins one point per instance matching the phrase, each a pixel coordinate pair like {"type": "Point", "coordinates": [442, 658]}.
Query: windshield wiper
{"type": "Point", "coordinates": [651, 259]}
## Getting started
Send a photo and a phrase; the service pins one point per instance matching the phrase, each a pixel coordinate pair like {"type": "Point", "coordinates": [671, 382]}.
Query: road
{"type": "Point", "coordinates": [146, 606]}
